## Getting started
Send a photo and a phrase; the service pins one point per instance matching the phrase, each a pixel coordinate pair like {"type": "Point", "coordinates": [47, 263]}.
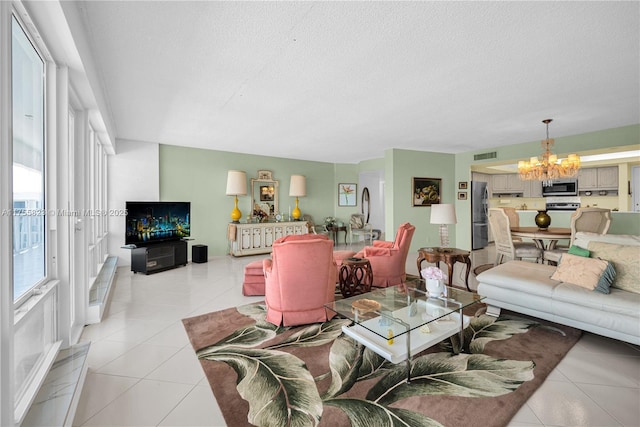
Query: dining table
{"type": "Point", "coordinates": [539, 235]}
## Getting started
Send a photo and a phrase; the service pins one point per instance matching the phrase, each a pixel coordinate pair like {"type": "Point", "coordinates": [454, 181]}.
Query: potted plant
{"type": "Point", "coordinates": [434, 278]}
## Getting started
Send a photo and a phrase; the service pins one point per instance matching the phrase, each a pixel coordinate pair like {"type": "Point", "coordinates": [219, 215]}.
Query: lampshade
{"type": "Point", "coordinates": [443, 213]}
{"type": "Point", "coordinates": [298, 186]}
{"type": "Point", "coordinates": [236, 183]}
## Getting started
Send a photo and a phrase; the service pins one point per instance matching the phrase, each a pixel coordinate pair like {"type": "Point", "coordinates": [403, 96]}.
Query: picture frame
{"type": "Point", "coordinates": [462, 185]}
{"type": "Point", "coordinates": [267, 192]}
{"type": "Point", "coordinates": [347, 194]}
{"type": "Point", "coordinates": [462, 195]}
{"type": "Point", "coordinates": [425, 191]}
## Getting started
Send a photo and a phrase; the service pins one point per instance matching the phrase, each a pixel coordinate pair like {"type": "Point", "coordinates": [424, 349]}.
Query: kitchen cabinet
{"type": "Point", "coordinates": [478, 176]}
{"type": "Point", "coordinates": [608, 178]}
{"type": "Point", "coordinates": [532, 188]}
{"type": "Point", "coordinates": [507, 183]}
{"type": "Point", "coordinates": [604, 178]}
{"type": "Point", "coordinates": [252, 239]}
{"type": "Point", "coordinates": [588, 179]}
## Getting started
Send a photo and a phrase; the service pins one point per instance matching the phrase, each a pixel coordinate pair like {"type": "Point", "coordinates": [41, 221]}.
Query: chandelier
{"type": "Point", "coordinates": [549, 167]}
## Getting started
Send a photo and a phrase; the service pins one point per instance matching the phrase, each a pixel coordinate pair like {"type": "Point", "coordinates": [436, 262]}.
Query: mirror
{"type": "Point", "coordinates": [264, 197]}
{"type": "Point", "coordinates": [366, 204]}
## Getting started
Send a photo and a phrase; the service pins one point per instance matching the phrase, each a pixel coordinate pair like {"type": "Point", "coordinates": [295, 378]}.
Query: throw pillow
{"type": "Point", "coordinates": [577, 250]}
{"type": "Point", "coordinates": [590, 273]}
{"type": "Point", "coordinates": [357, 222]}
{"type": "Point", "coordinates": [626, 261]}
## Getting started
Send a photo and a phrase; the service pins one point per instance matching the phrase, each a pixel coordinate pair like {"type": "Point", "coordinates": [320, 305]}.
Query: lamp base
{"type": "Point", "coordinates": [235, 213]}
{"type": "Point", "coordinates": [296, 212]}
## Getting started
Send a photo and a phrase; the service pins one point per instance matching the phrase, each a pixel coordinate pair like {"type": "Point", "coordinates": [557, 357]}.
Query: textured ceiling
{"type": "Point", "coordinates": [344, 81]}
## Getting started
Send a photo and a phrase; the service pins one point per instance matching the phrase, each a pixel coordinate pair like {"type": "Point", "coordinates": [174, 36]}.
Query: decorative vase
{"type": "Point", "coordinates": [543, 220]}
{"type": "Point", "coordinates": [435, 287]}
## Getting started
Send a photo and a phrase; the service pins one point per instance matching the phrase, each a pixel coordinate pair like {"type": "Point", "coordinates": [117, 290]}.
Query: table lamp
{"type": "Point", "coordinates": [297, 188]}
{"type": "Point", "coordinates": [236, 186]}
{"type": "Point", "coordinates": [443, 214]}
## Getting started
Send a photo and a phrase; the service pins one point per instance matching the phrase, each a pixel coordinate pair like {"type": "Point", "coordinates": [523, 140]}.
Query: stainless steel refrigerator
{"type": "Point", "coordinates": [479, 215]}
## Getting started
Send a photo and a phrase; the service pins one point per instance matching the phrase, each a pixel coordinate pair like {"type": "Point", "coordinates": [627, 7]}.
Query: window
{"type": "Point", "coordinates": [28, 76]}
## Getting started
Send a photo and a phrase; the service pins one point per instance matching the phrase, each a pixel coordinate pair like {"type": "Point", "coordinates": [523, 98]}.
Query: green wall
{"type": "Point", "coordinates": [199, 176]}
{"type": "Point", "coordinates": [402, 167]}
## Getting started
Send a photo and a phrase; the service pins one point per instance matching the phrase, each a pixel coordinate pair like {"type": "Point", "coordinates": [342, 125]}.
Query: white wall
{"type": "Point", "coordinates": [133, 174]}
{"type": "Point", "coordinates": [374, 181]}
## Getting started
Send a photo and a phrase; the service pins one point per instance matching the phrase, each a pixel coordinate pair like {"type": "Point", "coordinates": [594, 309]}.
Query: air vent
{"type": "Point", "coordinates": [485, 156]}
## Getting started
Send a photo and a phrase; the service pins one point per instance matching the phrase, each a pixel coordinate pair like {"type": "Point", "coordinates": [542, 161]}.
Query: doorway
{"type": "Point", "coordinates": [373, 181]}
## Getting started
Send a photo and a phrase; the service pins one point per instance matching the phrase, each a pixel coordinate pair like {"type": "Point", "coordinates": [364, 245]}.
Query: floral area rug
{"type": "Point", "coordinates": [311, 375]}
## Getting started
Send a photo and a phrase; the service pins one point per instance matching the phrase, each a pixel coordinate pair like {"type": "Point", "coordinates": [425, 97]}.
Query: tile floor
{"type": "Point", "coordinates": [143, 371]}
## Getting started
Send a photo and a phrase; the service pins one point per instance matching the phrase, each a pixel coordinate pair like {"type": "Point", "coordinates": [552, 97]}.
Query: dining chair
{"type": "Point", "coordinates": [514, 220]}
{"type": "Point", "coordinates": [594, 220]}
{"type": "Point", "coordinates": [501, 229]}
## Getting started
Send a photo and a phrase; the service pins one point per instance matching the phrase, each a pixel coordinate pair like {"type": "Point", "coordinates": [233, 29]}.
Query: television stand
{"type": "Point", "coordinates": [159, 256]}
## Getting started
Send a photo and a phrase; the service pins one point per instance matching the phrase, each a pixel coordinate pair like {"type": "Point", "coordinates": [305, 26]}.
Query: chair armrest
{"type": "Point", "coordinates": [267, 265]}
{"type": "Point", "coordinates": [376, 251]}
{"type": "Point", "coordinates": [382, 244]}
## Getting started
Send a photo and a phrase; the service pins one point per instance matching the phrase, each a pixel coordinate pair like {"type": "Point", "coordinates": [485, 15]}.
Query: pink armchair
{"type": "Point", "coordinates": [388, 259]}
{"type": "Point", "coordinates": [300, 278]}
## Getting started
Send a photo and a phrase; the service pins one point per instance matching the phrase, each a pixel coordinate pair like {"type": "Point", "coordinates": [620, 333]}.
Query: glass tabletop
{"type": "Point", "coordinates": [394, 311]}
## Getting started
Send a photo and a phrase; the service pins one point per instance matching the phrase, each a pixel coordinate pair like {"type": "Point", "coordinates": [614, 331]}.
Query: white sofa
{"type": "Point", "coordinates": [527, 288]}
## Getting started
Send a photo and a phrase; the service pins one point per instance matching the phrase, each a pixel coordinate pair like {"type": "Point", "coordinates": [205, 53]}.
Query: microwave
{"type": "Point", "coordinates": [563, 187]}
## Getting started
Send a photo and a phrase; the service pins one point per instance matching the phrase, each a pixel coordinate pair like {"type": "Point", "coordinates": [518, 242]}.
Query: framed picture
{"type": "Point", "coordinates": [347, 194]}
{"type": "Point", "coordinates": [266, 193]}
{"type": "Point", "coordinates": [462, 185]}
{"type": "Point", "coordinates": [462, 195]}
{"type": "Point", "coordinates": [426, 191]}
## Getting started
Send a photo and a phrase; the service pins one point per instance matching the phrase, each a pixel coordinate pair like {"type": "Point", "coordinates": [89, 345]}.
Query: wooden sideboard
{"type": "Point", "coordinates": [252, 239]}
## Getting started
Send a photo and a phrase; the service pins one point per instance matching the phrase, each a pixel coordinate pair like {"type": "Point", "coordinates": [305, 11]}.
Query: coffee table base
{"type": "Point", "coordinates": [403, 347]}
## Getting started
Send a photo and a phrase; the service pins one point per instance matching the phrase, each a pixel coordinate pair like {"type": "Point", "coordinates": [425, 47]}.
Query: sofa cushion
{"type": "Point", "coordinates": [626, 261]}
{"type": "Point", "coordinates": [584, 237]}
{"type": "Point", "coordinates": [589, 273]}
{"type": "Point", "coordinates": [618, 301]}
{"type": "Point", "coordinates": [521, 276]}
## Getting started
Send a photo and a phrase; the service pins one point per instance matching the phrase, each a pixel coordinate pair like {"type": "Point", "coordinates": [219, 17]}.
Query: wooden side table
{"type": "Point", "coordinates": [449, 255]}
{"type": "Point", "coordinates": [335, 229]}
{"type": "Point", "coordinates": [355, 277]}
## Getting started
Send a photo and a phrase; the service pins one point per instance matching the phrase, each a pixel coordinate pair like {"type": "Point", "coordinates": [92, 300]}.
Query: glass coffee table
{"type": "Point", "coordinates": [401, 321]}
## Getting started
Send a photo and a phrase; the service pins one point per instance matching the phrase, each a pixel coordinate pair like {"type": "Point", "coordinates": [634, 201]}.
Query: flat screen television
{"type": "Point", "coordinates": [151, 222]}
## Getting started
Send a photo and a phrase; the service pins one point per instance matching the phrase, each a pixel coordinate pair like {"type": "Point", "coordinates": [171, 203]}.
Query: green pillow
{"type": "Point", "coordinates": [577, 250]}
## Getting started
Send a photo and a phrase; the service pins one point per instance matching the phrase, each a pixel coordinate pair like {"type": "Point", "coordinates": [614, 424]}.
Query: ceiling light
{"type": "Point", "coordinates": [549, 167]}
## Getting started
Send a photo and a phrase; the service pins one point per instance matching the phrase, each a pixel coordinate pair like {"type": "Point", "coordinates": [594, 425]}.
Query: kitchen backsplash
{"type": "Point", "coordinates": [536, 203]}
